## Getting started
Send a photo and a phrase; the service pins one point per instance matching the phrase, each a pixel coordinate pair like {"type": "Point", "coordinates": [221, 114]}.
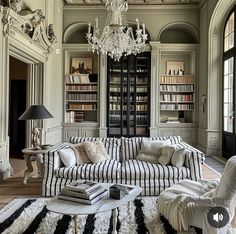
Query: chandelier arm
{"type": "Point", "coordinates": [116, 39]}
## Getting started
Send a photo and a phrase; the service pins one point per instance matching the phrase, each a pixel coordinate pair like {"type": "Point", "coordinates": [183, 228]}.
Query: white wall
{"type": "Point", "coordinates": [52, 66]}
{"type": "Point", "coordinates": [53, 86]}
{"type": "Point", "coordinates": [154, 17]}
{"type": "Point", "coordinates": [213, 16]}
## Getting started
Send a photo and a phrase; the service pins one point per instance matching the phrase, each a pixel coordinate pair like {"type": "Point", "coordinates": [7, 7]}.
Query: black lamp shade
{"type": "Point", "coordinates": [36, 112]}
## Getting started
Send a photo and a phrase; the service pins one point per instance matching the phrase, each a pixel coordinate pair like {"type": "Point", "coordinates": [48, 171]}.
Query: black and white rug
{"type": "Point", "coordinates": [30, 216]}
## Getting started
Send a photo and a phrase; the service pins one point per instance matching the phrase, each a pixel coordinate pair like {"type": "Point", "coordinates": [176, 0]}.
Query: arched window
{"type": "Point", "coordinates": [229, 59]}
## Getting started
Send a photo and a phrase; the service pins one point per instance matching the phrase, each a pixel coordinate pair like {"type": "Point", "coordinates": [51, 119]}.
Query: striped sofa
{"type": "Point", "coordinates": [122, 167]}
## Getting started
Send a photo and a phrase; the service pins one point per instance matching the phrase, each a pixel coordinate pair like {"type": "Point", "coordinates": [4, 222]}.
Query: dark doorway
{"type": "Point", "coordinates": [17, 105]}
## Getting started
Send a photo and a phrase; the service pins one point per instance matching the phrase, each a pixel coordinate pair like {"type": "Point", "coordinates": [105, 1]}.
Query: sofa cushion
{"type": "Point", "coordinates": [67, 157]}
{"type": "Point", "coordinates": [130, 147]}
{"type": "Point", "coordinates": [148, 158]}
{"type": "Point", "coordinates": [178, 157]}
{"type": "Point", "coordinates": [167, 152]}
{"type": "Point", "coordinates": [150, 147]}
{"type": "Point", "coordinates": [96, 151]}
{"type": "Point", "coordinates": [136, 170]}
{"type": "Point", "coordinates": [109, 169]}
{"type": "Point", "coordinates": [81, 155]}
{"type": "Point", "coordinates": [112, 145]}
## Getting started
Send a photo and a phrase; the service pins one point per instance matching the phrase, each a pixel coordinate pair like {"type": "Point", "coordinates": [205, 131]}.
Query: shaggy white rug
{"type": "Point", "coordinates": [30, 216]}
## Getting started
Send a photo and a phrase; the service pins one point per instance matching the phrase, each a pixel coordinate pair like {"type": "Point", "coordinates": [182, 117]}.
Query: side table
{"type": "Point", "coordinates": [31, 154]}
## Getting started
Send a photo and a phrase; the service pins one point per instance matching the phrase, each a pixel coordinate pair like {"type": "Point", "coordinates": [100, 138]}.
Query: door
{"type": "Point", "coordinates": [17, 129]}
{"type": "Point", "coordinates": [229, 131]}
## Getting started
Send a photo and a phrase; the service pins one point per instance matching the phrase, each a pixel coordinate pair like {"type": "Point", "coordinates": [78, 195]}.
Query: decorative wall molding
{"type": "Point", "coordinates": [191, 29]}
{"type": "Point", "coordinates": [29, 23]}
{"type": "Point", "coordinates": [136, 2]}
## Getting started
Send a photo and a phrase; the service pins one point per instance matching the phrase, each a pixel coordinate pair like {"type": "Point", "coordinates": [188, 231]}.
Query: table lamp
{"type": "Point", "coordinates": [35, 112]}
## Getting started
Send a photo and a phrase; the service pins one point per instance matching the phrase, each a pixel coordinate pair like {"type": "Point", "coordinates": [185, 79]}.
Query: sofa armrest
{"type": "Point", "coordinates": [194, 161]}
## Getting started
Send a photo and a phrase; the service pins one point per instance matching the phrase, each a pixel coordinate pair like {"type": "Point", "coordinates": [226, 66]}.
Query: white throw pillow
{"type": "Point", "coordinates": [81, 155]}
{"type": "Point", "coordinates": [152, 147]}
{"type": "Point", "coordinates": [178, 157]}
{"type": "Point", "coordinates": [148, 158]}
{"type": "Point", "coordinates": [96, 151]}
{"type": "Point", "coordinates": [68, 157]}
{"type": "Point", "coordinates": [166, 155]}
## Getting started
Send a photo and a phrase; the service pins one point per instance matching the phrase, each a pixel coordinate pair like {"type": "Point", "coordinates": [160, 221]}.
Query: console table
{"type": "Point", "coordinates": [31, 154]}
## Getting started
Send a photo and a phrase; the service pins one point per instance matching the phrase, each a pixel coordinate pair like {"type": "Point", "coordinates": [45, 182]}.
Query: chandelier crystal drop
{"type": "Point", "coordinates": [117, 38]}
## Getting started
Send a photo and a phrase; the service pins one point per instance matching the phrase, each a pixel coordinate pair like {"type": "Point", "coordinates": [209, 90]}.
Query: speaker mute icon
{"type": "Point", "coordinates": [218, 217]}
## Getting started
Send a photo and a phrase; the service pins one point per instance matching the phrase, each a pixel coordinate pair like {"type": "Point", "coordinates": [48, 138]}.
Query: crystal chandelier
{"type": "Point", "coordinates": [117, 38]}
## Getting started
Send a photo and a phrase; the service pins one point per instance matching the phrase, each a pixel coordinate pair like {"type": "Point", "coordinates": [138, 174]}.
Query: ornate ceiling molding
{"type": "Point", "coordinates": [29, 23]}
{"type": "Point", "coordinates": [133, 2]}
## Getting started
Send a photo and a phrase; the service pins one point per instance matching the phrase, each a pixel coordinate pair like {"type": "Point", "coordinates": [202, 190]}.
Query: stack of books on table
{"type": "Point", "coordinates": [86, 192]}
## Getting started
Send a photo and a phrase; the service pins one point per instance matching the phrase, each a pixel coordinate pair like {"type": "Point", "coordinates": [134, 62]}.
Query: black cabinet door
{"type": "Point", "coordinates": [128, 99]}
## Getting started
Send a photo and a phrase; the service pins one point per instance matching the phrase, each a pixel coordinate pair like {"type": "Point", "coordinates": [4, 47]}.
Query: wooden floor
{"type": "Point", "coordinates": [13, 188]}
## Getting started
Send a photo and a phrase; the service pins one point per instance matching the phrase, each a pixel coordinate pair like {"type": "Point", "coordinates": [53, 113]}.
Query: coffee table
{"type": "Point", "coordinates": [105, 204]}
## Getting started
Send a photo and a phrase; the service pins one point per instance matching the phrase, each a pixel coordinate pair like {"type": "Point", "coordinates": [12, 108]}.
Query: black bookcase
{"type": "Point", "coordinates": [128, 101]}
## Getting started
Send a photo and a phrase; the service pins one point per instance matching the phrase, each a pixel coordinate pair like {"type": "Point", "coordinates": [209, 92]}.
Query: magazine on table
{"type": "Point", "coordinates": [85, 201]}
{"type": "Point", "coordinates": [83, 186]}
{"type": "Point", "coordinates": [88, 195]}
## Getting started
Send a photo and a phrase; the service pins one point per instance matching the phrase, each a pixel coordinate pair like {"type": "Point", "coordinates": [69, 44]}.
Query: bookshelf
{"type": "Point", "coordinates": [81, 91]}
{"type": "Point", "coordinates": [177, 88]}
{"type": "Point", "coordinates": [81, 99]}
{"type": "Point", "coordinates": [128, 96]}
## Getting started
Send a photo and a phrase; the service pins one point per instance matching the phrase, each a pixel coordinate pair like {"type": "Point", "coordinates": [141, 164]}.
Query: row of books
{"type": "Point", "coordinates": [82, 106]}
{"type": "Point", "coordinates": [81, 96]}
{"type": "Point", "coordinates": [177, 106]}
{"type": "Point", "coordinates": [91, 87]}
{"type": "Point", "coordinates": [139, 80]}
{"type": "Point", "coordinates": [177, 97]}
{"type": "Point", "coordinates": [139, 69]}
{"type": "Point", "coordinates": [140, 119]}
{"type": "Point", "coordinates": [77, 78]}
{"type": "Point", "coordinates": [74, 116]}
{"type": "Point", "coordinates": [177, 79]}
{"type": "Point", "coordinates": [131, 98]}
{"type": "Point", "coordinates": [117, 107]}
{"type": "Point", "coordinates": [132, 89]}
{"type": "Point", "coordinates": [177, 88]}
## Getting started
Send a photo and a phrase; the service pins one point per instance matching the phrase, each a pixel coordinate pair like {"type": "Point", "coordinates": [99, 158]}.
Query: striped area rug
{"type": "Point", "coordinates": [30, 216]}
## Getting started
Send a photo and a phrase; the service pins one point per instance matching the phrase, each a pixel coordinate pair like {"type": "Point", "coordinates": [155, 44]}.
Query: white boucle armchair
{"type": "Point", "coordinates": [187, 203]}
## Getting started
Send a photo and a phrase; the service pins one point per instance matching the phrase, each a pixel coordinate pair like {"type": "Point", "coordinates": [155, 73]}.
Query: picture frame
{"type": "Point", "coordinates": [81, 65]}
{"type": "Point", "coordinates": [175, 67]}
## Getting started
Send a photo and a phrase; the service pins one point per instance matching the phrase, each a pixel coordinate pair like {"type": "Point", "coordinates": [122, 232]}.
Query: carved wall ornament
{"type": "Point", "coordinates": [15, 5]}
{"type": "Point", "coordinates": [30, 23]}
{"type": "Point", "coordinates": [4, 3]}
{"type": "Point", "coordinates": [51, 34]}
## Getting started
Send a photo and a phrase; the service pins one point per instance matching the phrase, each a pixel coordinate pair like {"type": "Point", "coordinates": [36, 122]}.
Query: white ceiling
{"type": "Point", "coordinates": [132, 2]}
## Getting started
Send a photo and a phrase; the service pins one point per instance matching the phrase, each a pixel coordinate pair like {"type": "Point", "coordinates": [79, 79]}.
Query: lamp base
{"type": "Point", "coordinates": [35, 138]}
